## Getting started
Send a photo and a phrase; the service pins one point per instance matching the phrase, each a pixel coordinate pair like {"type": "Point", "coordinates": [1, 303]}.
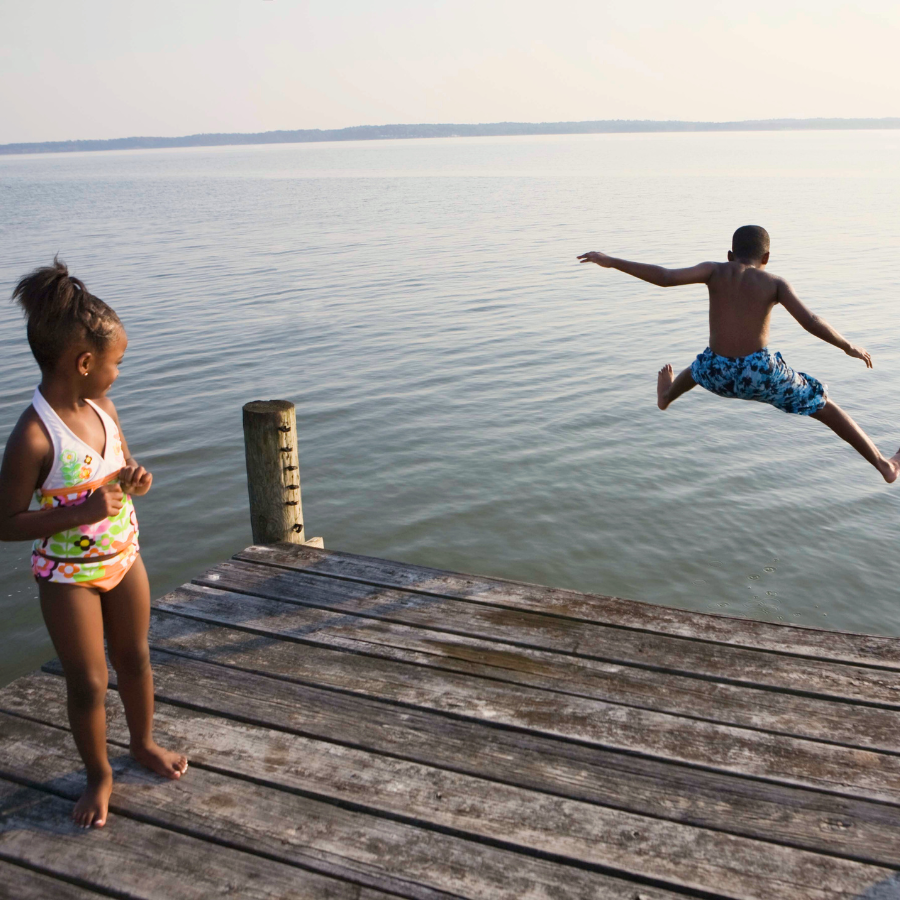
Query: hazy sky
{"type": "Point", "coordinates": [115, 68]}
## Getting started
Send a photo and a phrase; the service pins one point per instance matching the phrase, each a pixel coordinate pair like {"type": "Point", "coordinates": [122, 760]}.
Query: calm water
{"type": "Point", "coordinates": [467, 395]}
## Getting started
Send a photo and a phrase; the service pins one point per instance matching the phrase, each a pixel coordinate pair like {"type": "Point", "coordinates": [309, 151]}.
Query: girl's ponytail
{"type": "Point", "coordinates": [60, 309]}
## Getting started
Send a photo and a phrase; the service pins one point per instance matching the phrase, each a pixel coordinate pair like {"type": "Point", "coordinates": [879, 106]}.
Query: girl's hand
{"type": "Point", "coordinates": [859, 353]}
{"type": "Point", "coordinates": [104, 503]}
{"type": "Point", "coordinates": [135, 480]}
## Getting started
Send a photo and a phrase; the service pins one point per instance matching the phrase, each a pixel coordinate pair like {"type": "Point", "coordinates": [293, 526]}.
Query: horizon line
{"type": "Point", "coordinates": [446, 130]}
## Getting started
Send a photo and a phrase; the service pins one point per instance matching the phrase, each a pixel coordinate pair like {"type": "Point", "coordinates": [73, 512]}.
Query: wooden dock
{"type": "Point", "coordinates": [367, 729]}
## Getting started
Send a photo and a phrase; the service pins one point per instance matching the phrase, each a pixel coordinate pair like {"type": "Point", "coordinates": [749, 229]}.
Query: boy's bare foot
{"type": "Point", "coordinates": [890, 468]}
{"type": "Point", "coordinates": [663, 383]}
{"type": "Point", "coordinates": [91, 808]}
{"type": "Point", "coordinates": [164, 762]}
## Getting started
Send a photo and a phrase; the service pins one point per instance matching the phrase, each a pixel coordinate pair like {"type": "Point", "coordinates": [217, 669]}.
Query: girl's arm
{"type": "Point", "coordinates": [699, 274]}
{"type": "Point", "coordinates": [134, 478]}
{"type": "Point", "coordinates": [20, 474]}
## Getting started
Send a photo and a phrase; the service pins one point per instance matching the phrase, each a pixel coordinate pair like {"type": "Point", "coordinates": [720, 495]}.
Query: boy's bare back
{"type": "Point", "coordinates": [741, 299]}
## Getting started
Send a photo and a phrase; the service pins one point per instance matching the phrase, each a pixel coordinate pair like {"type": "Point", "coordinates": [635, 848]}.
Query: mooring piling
{"type": "Point", "coordinates": [273, 473]}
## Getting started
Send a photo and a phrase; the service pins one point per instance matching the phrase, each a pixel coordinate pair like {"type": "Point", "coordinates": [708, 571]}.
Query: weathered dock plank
{"type": "Point", "coordinates": [144, 860]}
{"type": "Point", "coordinates": [864, 649]}
{"type": "Point", "coordinates": [360, 728]}
{"type": "Point", "coordinates": [243, 684]}
{"type": "Point", "coordinates": [806, 819]}
{"type": "Point", "coordinates": [523, 820]}
{"type": "Point", "coordinates": [859, 725]}
{"type": "Point", "coordinates": [536, 629]}
{"type": "Point", "coordinates": [19, 883]}
{"type": "Point", "coordinates": [292, 827]}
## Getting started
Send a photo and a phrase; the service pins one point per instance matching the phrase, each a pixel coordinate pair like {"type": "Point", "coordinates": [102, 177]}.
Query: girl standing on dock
{"type": "Point", "coordinates": [68, 452]}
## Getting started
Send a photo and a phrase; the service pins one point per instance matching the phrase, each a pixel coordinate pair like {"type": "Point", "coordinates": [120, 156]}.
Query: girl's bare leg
{"type": "Point", "coordinates": [126, 614]}
{"type": "Point", "coordinates": [74, 619]}
{"type": "Point", "coordinates": [844, 427]}
{"type": "Point", "coordinates": [670, 388]}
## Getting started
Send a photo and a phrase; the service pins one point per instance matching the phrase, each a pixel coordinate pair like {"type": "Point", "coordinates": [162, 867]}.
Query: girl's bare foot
{"type": "Point", "coordinates": [663, 383]}
{"type": "Point", "coordinates": [91, 808]}
{"type": "Point", "coordinates": [164, 762]}
{"type": "Point", "coordinates": [890, 468]}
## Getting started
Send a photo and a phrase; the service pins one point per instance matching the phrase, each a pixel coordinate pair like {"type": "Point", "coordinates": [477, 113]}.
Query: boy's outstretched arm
{"type": "Point", "coordinates": [699, 274]}
{"type": "Point", "coordinates": [816, 325]}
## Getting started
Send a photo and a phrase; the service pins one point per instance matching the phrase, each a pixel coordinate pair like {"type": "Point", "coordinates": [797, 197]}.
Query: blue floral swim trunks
{"type": "Point", "coordinates": [762, 376]}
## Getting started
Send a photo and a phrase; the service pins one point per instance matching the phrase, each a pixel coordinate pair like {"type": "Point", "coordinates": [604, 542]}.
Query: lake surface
{"type": "Point", "coordinates": [468, 396]}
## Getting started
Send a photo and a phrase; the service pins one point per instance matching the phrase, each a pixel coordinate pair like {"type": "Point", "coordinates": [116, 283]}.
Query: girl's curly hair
{"type": "Point", "coordinates": [60, 310]}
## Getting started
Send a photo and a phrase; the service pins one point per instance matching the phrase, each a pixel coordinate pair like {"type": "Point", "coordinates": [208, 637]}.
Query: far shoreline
{"type": "Point", "coordinates": [413, 132]}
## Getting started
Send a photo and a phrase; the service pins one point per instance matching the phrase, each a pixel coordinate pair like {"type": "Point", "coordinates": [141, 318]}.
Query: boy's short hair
{"type": "Point", "coordinates": [750, 242]}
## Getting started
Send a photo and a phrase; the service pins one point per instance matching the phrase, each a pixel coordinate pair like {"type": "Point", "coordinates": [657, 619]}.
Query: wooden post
{"type": "Point", "coordinates": [273, 472]}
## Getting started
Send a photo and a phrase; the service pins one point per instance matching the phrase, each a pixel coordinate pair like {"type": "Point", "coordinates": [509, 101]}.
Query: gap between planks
{"type": "Point", "coordinates": [728, 748]}
{"type": "Point", "coordinates": [621, 846]}
{"type": "Point", "coordinates": [837, 721]}
{"type": "Point", "coordinates": [858, 649]}
{"type": "Point", "coordinates": [261, 814]}
{"type": "Point", "coordinates": [19, 881]}
{"type": "Point", "coordinates": [134, 859]}
{"type": "Point", "coordinates": [668, 654]}
{"type": "Point", "coordinates": [805, 819]}
{"type": "Point", "coordinates": [772, 758]}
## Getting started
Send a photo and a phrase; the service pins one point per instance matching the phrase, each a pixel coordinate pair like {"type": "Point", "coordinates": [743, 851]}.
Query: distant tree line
{"type": "Point", "coordinates": [387, 132]}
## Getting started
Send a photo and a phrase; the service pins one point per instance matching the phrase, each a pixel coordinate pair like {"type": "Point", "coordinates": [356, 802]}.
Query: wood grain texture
{"type": "Point", "coordinates": [860, 649]}
{"type": "Point", "coordinates": [636, 845]}
{"type": "Point", "coordinates": [369, 849]}
{"type": "Point", "coordinates": [749, 707]}
{"type": "Point", "coordinates": [273, 471]}
{"type": "Point", "coordinates": [633, 845]}
{"type": "Point", "coordinates": [146, 861]}
{"type": "Point", "coordinates": [802, 818]}
{"type": "Point", "coordinates": [580, 639]}
{"type": "Point", "coordinates": [740, 751]}
{"type": "Point", "coordinates": [19, 883]}
{"type": "Point", "coordinates": [796, 761]}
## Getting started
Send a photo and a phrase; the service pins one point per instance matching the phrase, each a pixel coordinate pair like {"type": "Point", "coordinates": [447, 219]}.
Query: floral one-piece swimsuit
{"type": "Point", "coordinates": [98, 555]}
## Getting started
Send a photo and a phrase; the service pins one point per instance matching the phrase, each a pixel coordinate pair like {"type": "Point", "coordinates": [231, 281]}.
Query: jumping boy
{"type": "Point", "coordinates": [737, 362]}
